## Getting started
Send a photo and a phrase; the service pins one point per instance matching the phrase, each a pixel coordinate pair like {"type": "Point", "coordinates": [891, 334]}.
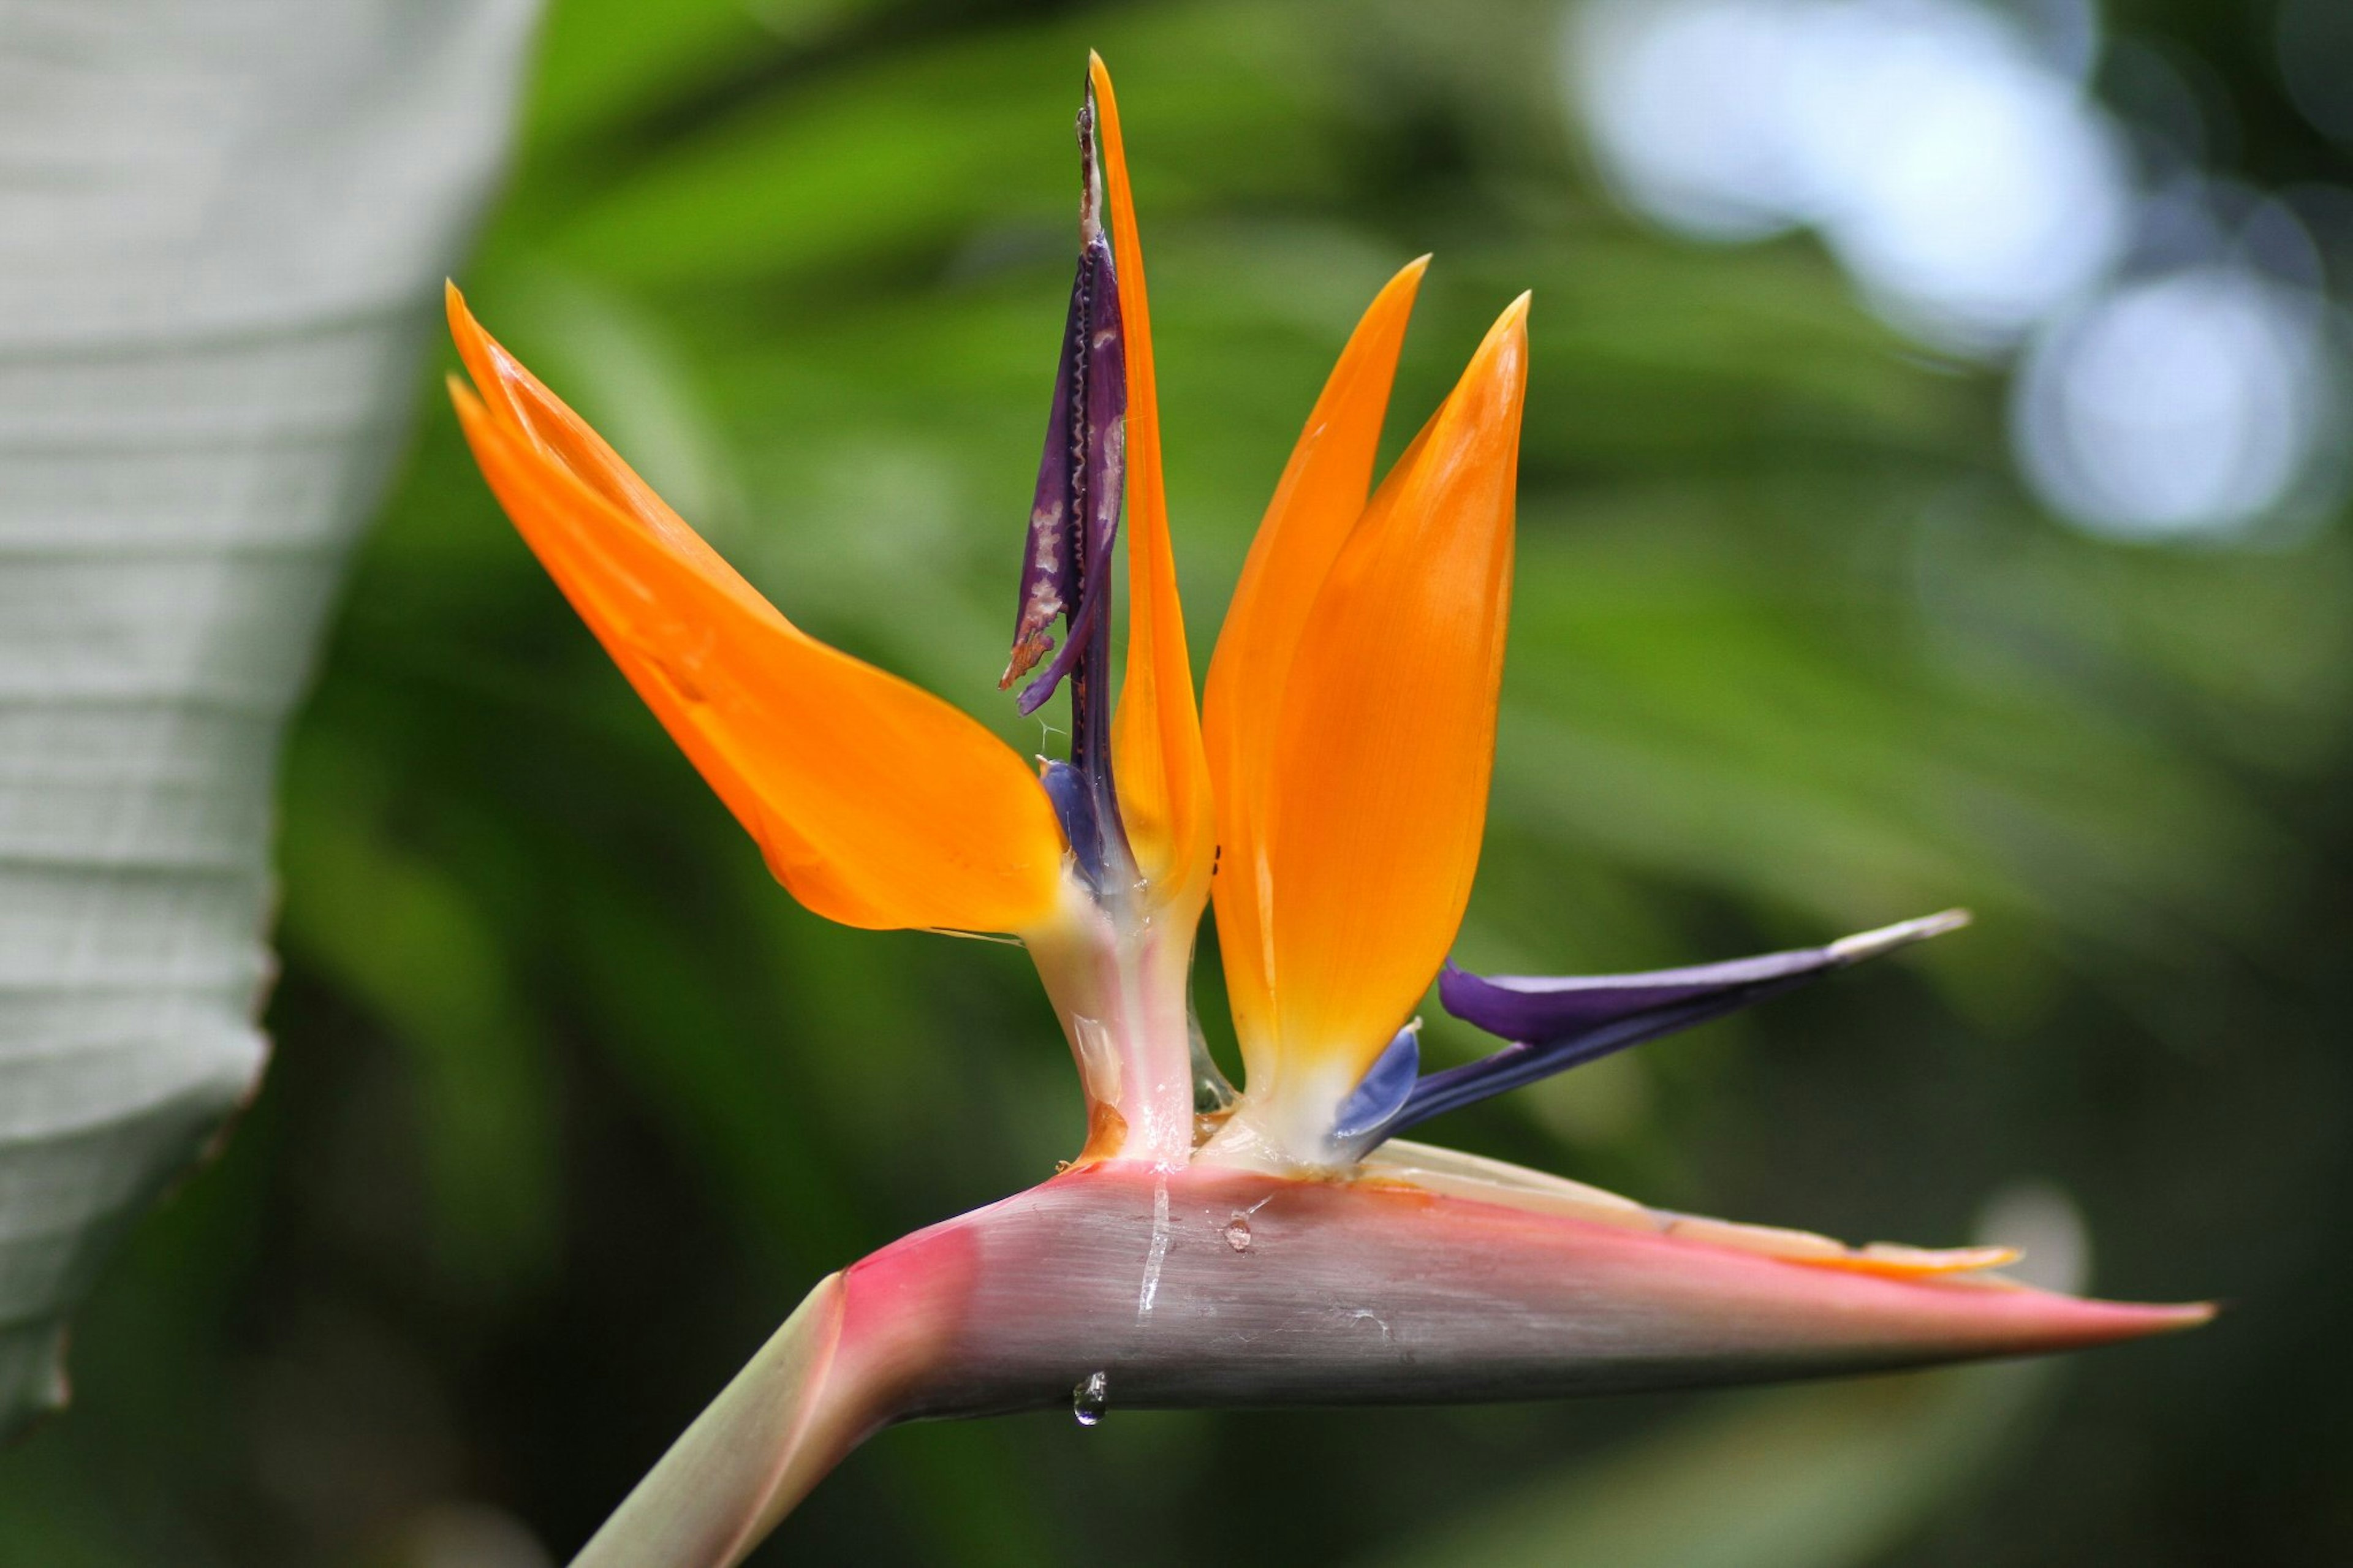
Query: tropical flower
{"type": "Point", "coordinates": [1330, 796]}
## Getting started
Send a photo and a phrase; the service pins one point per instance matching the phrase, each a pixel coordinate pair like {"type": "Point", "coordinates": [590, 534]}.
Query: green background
{"type": "Point", "coordinates": [571, 1104]}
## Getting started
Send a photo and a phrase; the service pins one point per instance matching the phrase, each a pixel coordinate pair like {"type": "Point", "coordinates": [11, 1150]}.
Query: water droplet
{"type": "Point", "coordinates": [1238, 1233]}
{"type": "Point", "coordinates": [1091, 1398]}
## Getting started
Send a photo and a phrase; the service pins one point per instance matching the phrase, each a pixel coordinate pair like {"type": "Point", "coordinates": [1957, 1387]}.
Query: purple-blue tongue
{"type": "Point", "coordinates": [1365, 1115]}
{"type": "Point", "coordinates": [1556, 1023]}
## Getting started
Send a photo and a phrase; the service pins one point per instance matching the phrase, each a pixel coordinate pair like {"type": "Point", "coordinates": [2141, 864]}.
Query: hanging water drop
{"type": "Point", "coordinates": [1091, 1398]}
{"type": "Point", "coordinates": [1238, 1233]}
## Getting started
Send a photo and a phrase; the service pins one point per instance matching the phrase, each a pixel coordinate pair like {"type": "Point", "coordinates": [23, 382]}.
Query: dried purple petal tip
{"type": "Point", "coordinates": [1070, 662]}
{"type": "Point", "coordinates": [1029, 648]}
{"type": "Point", "coordinates": [1556, 1023]}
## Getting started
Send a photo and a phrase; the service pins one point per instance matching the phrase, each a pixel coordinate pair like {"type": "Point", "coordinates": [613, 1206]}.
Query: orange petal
{"type": "Point", "coordinates": [1157, 758]}
{"type": "Point", "coordinates": [876, 804]}
{"type": "Point", "coordinates": [1379, 793]}
{"type": "Point", "coordinates": [1318, 500]}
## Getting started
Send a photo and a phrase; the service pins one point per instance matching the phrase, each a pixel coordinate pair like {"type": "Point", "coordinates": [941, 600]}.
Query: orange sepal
{"type": "Point", "coordinates": [1377, 797]}
{"type": "Point", "coordinates": [1317, 502]}
{"type": "Point", "coordinates": [1158, 763]}
{"type": "Point", "coordinates": [875, 803]}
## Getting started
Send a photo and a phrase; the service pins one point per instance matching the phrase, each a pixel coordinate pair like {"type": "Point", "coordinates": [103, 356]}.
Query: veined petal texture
{"type": "Point", "coordinates": [1377, 797]}
{"type": "Point", "coordinates": [1320, 497]}
{"type": "Point", "coordinates": [875, 803]}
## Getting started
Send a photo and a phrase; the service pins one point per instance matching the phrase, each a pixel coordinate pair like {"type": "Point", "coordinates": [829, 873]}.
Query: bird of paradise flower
{"type": "Point", "coordinates": [1282, 1243]}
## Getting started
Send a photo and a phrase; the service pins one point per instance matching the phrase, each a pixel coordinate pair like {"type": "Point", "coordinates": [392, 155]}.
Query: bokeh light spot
{"type": "Point", "coordinates": [2179, 406]}
{"type": "Point", "coordinates": [1962, 177]}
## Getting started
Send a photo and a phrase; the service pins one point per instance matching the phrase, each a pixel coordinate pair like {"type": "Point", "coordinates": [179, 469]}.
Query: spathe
{"type": "Point", "coordinates": [1207, 1286]}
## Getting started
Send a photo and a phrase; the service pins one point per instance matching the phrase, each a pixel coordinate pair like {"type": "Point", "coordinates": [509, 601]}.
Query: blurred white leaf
{"type": "Point", "coordinates": [221, 231]}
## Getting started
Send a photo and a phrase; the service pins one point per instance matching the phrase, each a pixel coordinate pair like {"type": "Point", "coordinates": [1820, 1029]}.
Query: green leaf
{"type": "Point", "coordinates": [1805, 1478]}
{"type": "Point", "coordinates": [916, 151]}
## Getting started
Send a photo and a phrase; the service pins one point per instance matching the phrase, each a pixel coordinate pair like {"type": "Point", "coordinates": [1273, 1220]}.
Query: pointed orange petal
{"type": "Point", "coordinates": [1319, 499]}
{"type": "Point", "coordinates": [1379, 793]}
{"type": "Point", "coordinates": [1156, 759]}
{"type": "Point", "coordinates": [876, 804]}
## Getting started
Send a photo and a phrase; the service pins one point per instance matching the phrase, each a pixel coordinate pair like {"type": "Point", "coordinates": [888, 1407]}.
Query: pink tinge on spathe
{"type": "Point", "coordinates": [1372, 1292]}
{"type": "Point", "coordinates": [1122, 1283]}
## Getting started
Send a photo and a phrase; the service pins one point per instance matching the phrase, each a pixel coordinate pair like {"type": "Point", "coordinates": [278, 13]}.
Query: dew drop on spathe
{"type": "Point", "coordinates": [1091, 1398]}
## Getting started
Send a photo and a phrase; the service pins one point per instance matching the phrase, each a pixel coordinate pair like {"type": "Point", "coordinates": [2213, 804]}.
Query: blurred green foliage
{"type": "Point", "coordinates": [571, 1103]}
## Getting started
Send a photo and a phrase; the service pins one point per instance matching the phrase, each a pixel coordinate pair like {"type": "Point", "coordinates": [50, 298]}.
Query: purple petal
{"type": "Point", "coordinates": [1066, 573]}
{"type": "Point", "coordinates": [1557, 1023]}
{"type": "Point", "coordinates": [1373, 1104]}
{"type": "Point", "coordinates": [1050, 566]}
{"type": "Point", "coordinates": [1080, 476]}
{"type": "Point", "coordinates": [1101, 490]}
{"type": "Point", "coordinates": [1074, 804]}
